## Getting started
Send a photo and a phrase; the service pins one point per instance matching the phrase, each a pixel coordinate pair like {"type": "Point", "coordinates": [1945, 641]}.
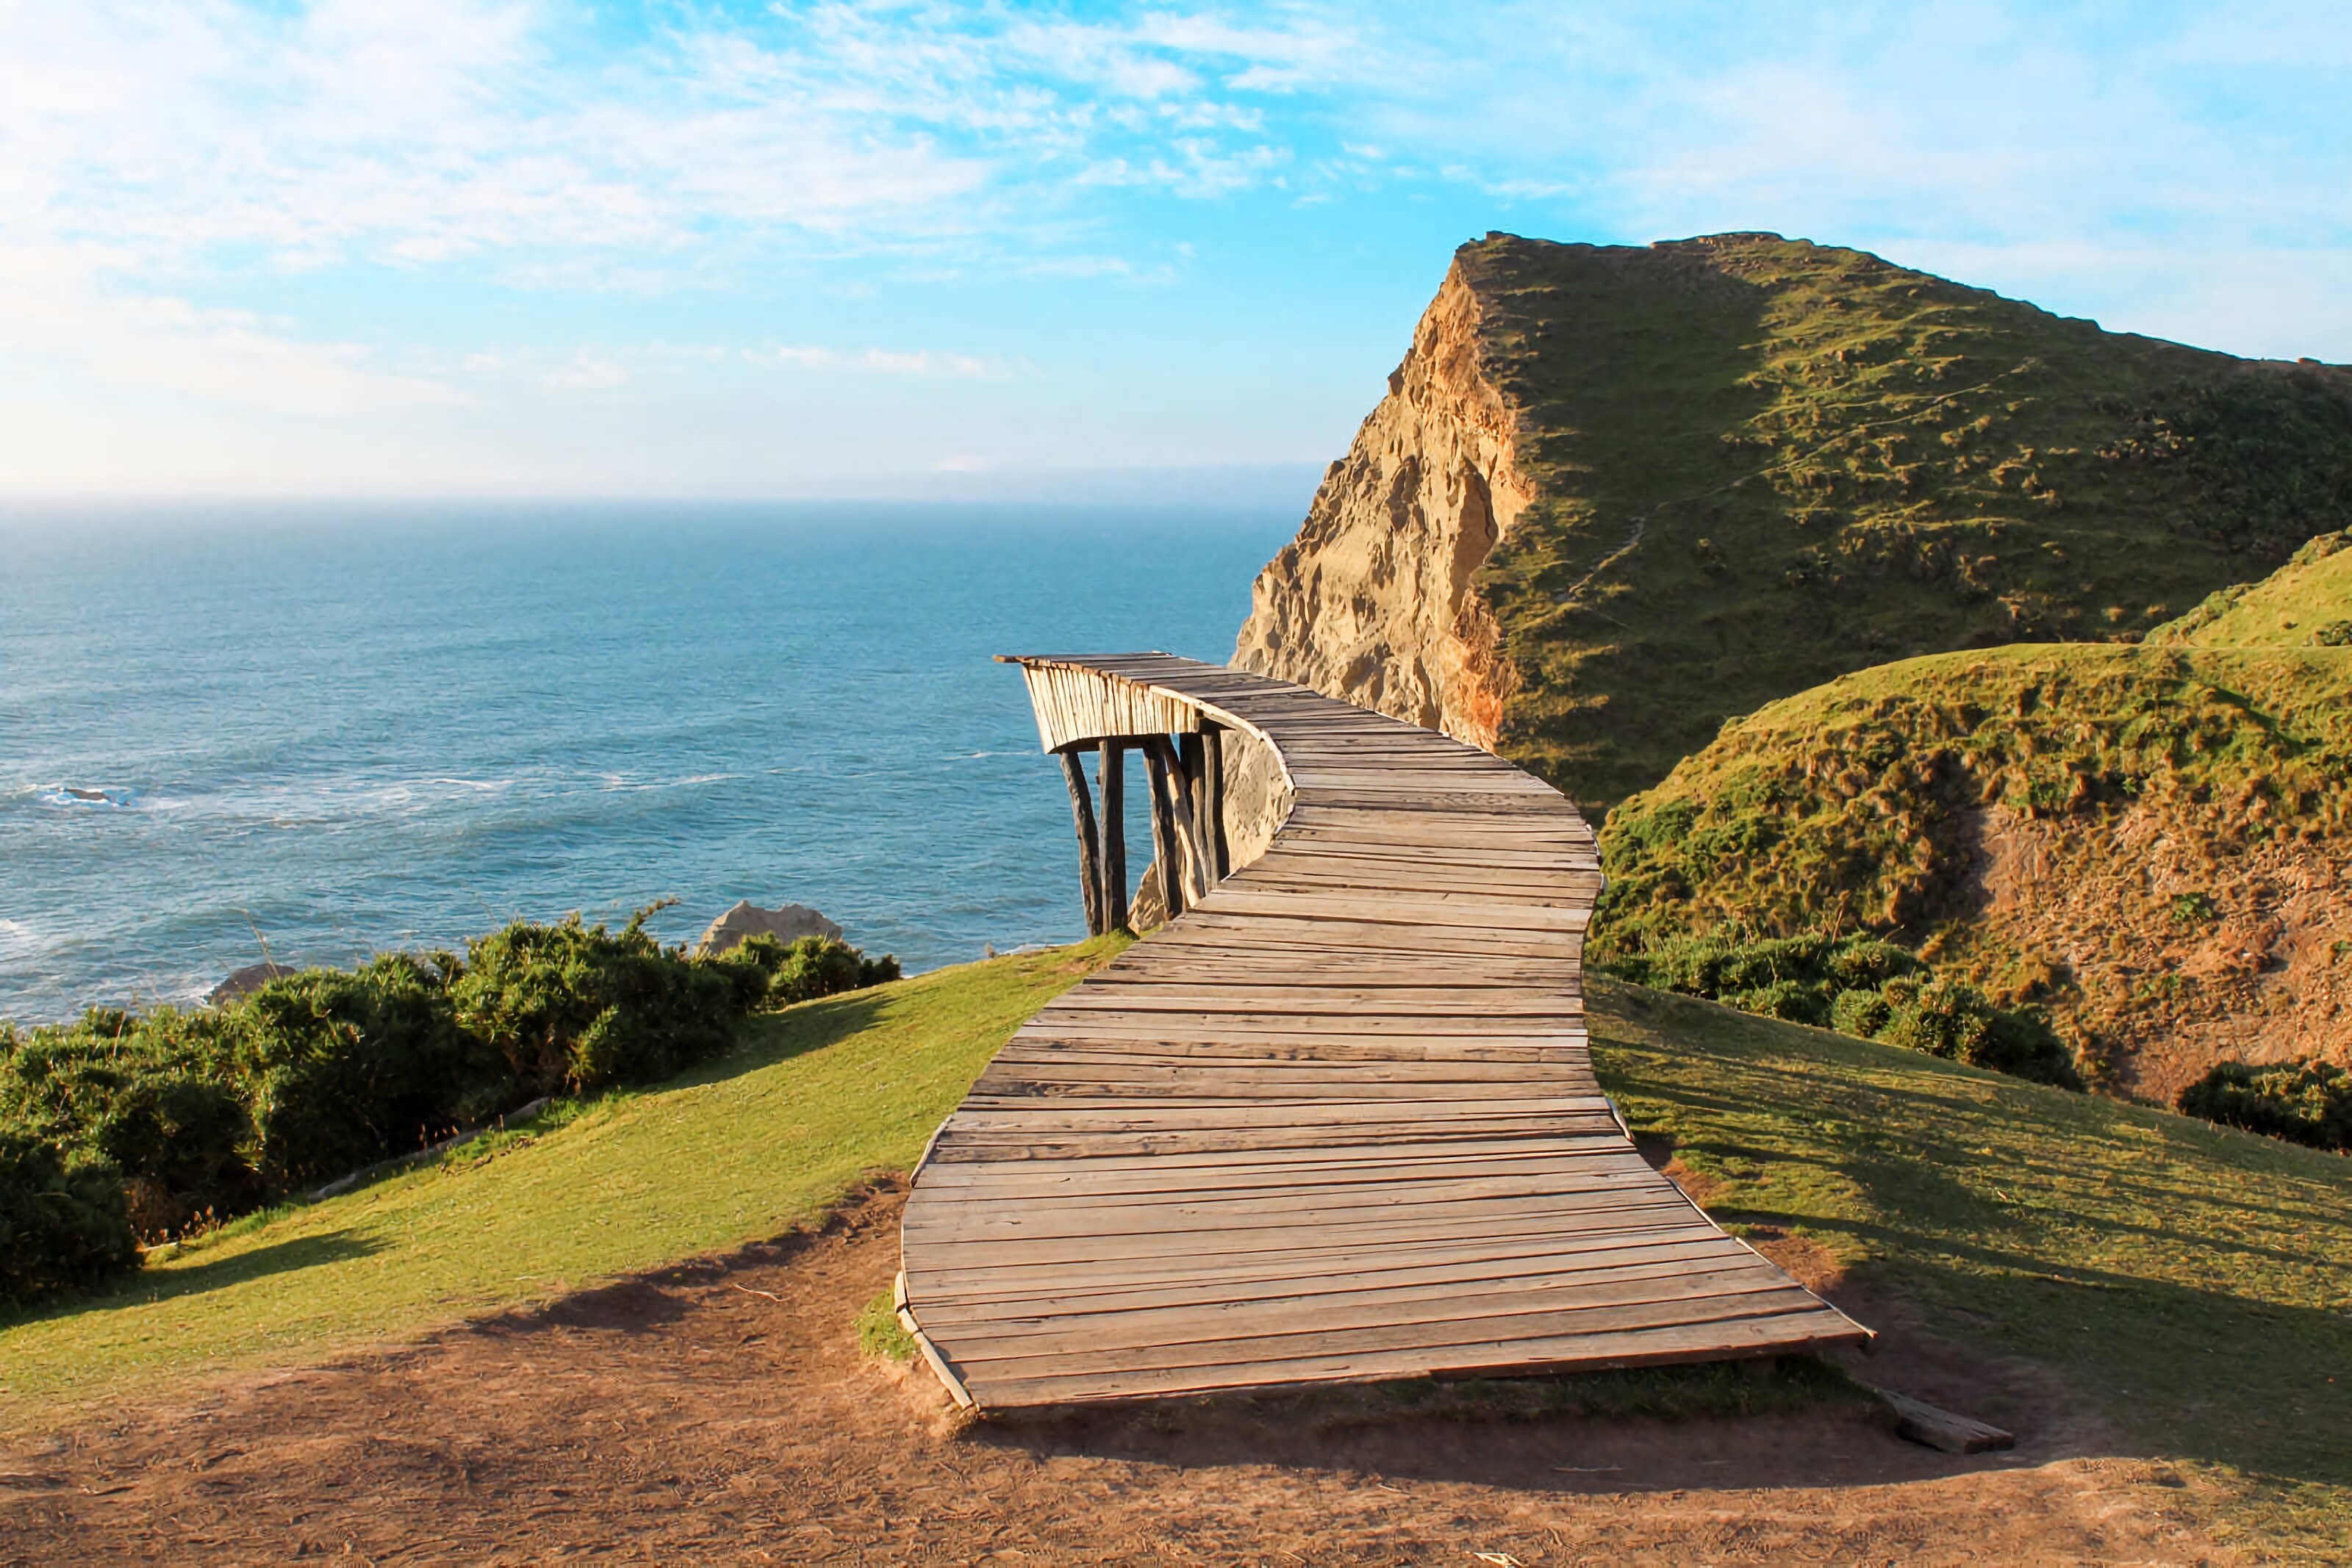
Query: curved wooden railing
{"type": "Point", "coordinates": [1336, 1120]}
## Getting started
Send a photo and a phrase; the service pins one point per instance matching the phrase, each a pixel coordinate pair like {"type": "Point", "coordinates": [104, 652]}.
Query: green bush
{"type": "Point", "coordinates": [62, 1227]}
{"type": "Point", "coordinates": [2300, 1101]}
{"type": "Point", "coordinates": [341, 1070]}
{"type": "Point", "coordinates": [575, 1007]}
{"type": "Point", "coordinates": [1860, 1013]}
{"type": "Point", "coordinates": [817, 967]}
{"type": "Point", "coordinates": [197, 1115]}
{"type": "Point", "coordinates": [1858, 985]}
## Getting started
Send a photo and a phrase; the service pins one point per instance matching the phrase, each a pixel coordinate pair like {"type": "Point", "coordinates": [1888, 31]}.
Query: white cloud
{"type": "Point", "coordinates": [194, 193]}
{"type": "Point", "coordinates": [882, 361]}
{"type": "Point", "coordinates": [56, 312]}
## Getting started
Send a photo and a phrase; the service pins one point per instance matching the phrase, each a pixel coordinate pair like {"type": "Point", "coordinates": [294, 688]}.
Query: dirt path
{"type": "Point", "coordinates": [721, 1411]}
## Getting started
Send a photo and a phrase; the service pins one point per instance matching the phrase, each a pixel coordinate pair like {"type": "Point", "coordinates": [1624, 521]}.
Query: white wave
{"type": "Point", "coordinates": [88, 798]}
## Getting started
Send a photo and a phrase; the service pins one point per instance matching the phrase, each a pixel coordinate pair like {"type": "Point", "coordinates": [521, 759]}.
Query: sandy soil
{"type": "Point", "coordinates": [721, 1411]}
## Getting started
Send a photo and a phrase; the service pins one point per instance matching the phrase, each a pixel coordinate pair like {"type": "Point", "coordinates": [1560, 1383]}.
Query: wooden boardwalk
{"type": "Point", "coordinates": [1336, 1122]}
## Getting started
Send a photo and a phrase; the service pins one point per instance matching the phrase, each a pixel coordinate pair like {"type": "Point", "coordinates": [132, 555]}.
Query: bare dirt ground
{"type": "Point", "coordinates": [721, 1411]}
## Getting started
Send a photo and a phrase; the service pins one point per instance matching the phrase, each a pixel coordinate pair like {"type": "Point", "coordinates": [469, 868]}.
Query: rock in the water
{"type": "Point", "coordinates": [246, 981]}
{"type": "Point", "coordinates": [787, 924]}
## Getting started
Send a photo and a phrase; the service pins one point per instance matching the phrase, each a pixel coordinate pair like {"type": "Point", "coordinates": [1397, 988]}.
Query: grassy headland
{"type": "Point", "coordinates": [1760, 463]}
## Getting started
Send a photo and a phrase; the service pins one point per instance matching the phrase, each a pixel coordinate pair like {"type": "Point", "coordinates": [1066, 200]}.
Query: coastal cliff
{"type": "Point", "coordinates": [1617, 496]}
{"type": "Point", "coordinates": [1373, 601]}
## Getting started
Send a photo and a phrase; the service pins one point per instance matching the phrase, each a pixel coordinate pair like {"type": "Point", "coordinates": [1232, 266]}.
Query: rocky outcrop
{"type": "Point", "coordinates": [1374, 601]}
{"type": "Point", "coordinates": [246, 981]}
{"type": "Point", "coordinates": [787, 924]}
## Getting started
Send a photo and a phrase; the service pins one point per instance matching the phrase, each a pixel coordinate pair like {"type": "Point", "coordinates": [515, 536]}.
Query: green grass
{"type": "Point", "coordinates": [1760, 463]}
{"type": "Point", "coordinates": [1866, 804]}
{"type": "Point", "coordinates": [2187, 1281]}
{"type": "Point", "coordinates": [743, 1149]}
{"type": "Point", "coordinates": [2306, 603]}
{"type": "Point", "coordinates": [881, 1335]}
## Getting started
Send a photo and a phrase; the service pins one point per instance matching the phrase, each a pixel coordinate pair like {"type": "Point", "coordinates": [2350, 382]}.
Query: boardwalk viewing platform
{"type": "Point", "coordinates": [1335, 1120]}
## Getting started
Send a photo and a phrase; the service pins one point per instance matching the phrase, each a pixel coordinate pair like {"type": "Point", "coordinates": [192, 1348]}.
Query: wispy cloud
{"type": "Point", "coordinates": [208, 200]}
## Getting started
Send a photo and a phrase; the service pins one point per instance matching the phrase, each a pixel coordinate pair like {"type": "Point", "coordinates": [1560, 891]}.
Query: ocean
{"type": "Point", "coordinates": [336, 731]}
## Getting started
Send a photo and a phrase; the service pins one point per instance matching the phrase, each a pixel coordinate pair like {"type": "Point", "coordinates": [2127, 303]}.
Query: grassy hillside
{"type": "Point", "coordinates": [2145, 841]}
{"type": "Point", "coordinates": [2307, 603]}
{"type": "Point", "coordinates": [1761, 463]}
{"type": "Point", "coordinates": [2183, 1281]}
{"type": "Point", "coordinates": [740, 1150]}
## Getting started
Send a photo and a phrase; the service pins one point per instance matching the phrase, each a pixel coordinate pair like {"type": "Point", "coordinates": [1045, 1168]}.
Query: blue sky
{"type": "Point", "coordinates": [554, 247]}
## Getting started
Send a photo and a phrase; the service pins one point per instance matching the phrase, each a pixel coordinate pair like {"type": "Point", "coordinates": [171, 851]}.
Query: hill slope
{"type": "Point", "coordinates": [2149, 841]}
{"type": "Point", "coordinates": [2182, 1281]}
{"type": "Point", "coordinates": [1617, 495]}
{"type": "Point", "coordinates": [2307, 603]}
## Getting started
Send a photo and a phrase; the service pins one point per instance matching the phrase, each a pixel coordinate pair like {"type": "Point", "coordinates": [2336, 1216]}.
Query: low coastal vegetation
{"type": "Point", "coordinates": [1855, 985]}
{"type": "Point", "coordinates": [2300, 1101]}
{"type": "Point", "coordinates": [124, 1128]}
{"type": "Point", "coordinates": [813, 1101]}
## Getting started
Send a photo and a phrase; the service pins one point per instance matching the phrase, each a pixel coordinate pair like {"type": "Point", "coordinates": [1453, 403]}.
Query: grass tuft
{"type": "Point", "coordinates": [880, 1336]}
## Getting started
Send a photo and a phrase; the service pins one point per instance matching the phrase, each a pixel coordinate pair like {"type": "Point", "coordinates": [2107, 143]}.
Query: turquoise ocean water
{"type": "Point", "coordinates": [357, 730]}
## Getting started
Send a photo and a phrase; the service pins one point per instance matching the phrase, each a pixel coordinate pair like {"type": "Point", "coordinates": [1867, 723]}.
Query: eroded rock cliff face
{"type": "Point", "coordinates": [1375, 602]}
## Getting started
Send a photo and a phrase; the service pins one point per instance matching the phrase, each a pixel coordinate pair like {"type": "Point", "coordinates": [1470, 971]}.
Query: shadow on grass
{"type": "Point", "coordinates": [2176, 1283]}
{"type": "Point", "coordinates": [152, 1285]}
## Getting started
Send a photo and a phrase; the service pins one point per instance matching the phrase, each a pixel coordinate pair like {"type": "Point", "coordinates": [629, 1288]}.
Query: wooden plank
{"type": "Point", "coordinates": [1380, 1316]}
{"type": "Point", "coordinates": [957, 1298]}
{"type": "Point", "coordinates": [1516, 1354]}
{"type": "Point", "coordinates": [1027, 1357]}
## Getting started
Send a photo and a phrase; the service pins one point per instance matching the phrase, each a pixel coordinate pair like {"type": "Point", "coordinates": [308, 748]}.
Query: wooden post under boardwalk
{"type": "Point", "coordinates": [1191, 863]}
{"type": "Point", "coordinates": [1165, 848]}
{"type": "Point", "coordinates": [1192, 752]}
{"type": "Point", "coordinates": [1110, 771]}
{"type": "Point", "coordinates": [1212, 799]}
{"type": "Point", "coordinates": [1082, 813]}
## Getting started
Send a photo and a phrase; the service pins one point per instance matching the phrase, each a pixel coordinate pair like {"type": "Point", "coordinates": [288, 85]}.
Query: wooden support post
{"type": "Point", "coordinates": [1182, 757]}
{"type": "Point", "coordinates": [1111, 775]}
{"type": "Point", "coordinates": [1169, 851]}
{"type": "Point", "coordinates": [1197, 756]}
{"type": "Point", "coordinates": [1082, 815]}
{"type": "Point", "coordinates": [1211, 799]}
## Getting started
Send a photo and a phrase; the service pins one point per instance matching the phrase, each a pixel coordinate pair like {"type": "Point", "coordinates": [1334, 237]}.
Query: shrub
{"type": "Point", "coordinates": [341, 1070]}
{"type": "Point", "coordinates": [817, 967]}
{"type": "Point", "coordinates": [152, 1096]}
{"type": "Point", "coordinates": [2301, 1100]}
{"type": "Point", "coordinates": [182, 1143]}
{"type": "Point", "coordinates": [189, 1114]}
{"type": "Point", "coordinates": [62, 1227]}
{"type": "Point", "coordinates": [576, 1007]}
{"type": "Point", "coordinates": [1860, 1013]}
{"type": "Point", "coordinates": [1948, 1019]}
{"type": "Point", "coordinates": [1858, 985]}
